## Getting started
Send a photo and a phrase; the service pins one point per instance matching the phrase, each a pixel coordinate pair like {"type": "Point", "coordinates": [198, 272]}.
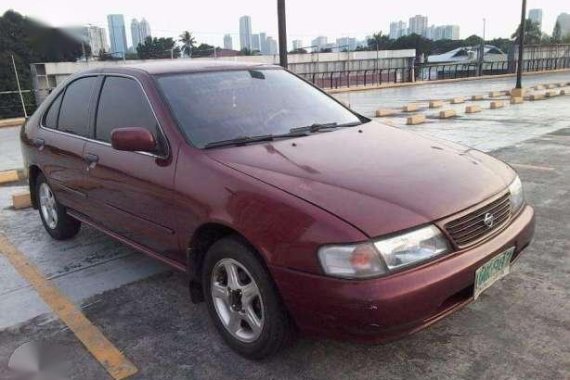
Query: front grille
{"type": "Point", "coordinates": [471, 228]}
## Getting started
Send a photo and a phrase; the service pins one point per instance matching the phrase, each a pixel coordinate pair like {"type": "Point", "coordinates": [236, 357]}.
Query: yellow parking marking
{"type": "Point", "coordinates": [533, 167]}
{"type": "Point", "coordinates": [116, 364]}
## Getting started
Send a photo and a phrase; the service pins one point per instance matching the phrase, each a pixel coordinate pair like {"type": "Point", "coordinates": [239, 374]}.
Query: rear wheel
{"type": "Point", "coordinates": [54, 216]}
{"type": "Point", "coordinates": [242, 300]}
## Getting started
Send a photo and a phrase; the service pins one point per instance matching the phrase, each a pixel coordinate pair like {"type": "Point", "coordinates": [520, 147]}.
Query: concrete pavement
{"type": "Point", "coordinates": [520, 328]}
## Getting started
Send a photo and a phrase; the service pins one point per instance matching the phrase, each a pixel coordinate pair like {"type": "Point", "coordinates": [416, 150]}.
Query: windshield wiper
{"type": "Point", "coordinates": [321, 126]}
{"type": "Point", "coordinates": [242, 140]}
{"type": "Point", "coordinates": [294, 132]}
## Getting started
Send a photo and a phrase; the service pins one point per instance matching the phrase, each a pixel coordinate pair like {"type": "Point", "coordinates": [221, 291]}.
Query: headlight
{"type": "Point", "coordinates": [412, 247]}
{"type": "Point", "coordinates": [517, 195]}
{"type": "Point", "coordinates": [383, 256]}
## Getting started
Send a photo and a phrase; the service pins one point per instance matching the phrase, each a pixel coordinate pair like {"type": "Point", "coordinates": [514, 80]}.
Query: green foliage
{"type": "Point", "coordinates": [188, 42]}
{"type": "Point", "coordinates": [557, 33]}
{"type": "Point", "coordinates": [246, 51]}
{"type": "Point", "coordinates": [203, 50]}
{"type": "Point", "coordinates": [532, 33]}
{"type": "Point", "coordinates": [29, 42]}
{"type": "Point", "coordinates": [298, 51]}
{"type": "Point", "coordinates": [156, 48]}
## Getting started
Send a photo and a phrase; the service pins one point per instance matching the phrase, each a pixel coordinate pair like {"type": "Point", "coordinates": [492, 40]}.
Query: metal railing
{"type": "Point", "coordinates": [428, 72]}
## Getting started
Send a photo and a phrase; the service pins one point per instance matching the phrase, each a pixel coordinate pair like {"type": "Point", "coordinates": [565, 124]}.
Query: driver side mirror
{"type": "Point", "coordinates": [133, 139]}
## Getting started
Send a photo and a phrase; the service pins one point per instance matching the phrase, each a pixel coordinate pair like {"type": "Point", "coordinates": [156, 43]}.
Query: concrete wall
{"type": "Point", "coordinates": [48, 75]}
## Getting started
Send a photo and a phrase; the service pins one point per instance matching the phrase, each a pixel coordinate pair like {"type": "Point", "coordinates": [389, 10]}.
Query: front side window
{"type": "Point", "coordinates": [224, 105]}
{"type": "Point", "coordinates": [74, 114]}
{"type": "Point", "coordinates": [123, 104]}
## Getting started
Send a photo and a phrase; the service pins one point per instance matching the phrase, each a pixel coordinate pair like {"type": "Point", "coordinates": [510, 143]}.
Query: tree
{"type": "Point", "coordinates": [378, 41]}
{"type": "Point", "coordinates": [532, 33]}
{"type": "Point", "coordinates": [29, 42]}
{"type": "Point", "coordinates": [246, 51]}
{"type": "Point", "coordinates": [557, 33]}
{"type": "Point", "coordinates": [156, 48]}
{"type": "Point", "coordinates": [298, 51]}
{"type": "Point", "coordinates": [422, 45]}
{"type": "Point", "coordinates": [188, 42]}
{"type": "Point", "coordinates": [204, 50]}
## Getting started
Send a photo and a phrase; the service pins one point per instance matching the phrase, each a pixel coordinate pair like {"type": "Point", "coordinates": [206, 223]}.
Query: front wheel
{"type": "Point", "coordinates": [242, 300]}
{"type": "Point", "coordinates": [54, 217]}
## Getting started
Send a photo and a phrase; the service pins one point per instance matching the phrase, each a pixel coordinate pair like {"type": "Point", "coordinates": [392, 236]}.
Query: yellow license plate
{"type": "Point", "coordinates": [493, 270]}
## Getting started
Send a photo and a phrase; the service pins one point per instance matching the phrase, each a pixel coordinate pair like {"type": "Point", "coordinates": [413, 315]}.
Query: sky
{"type": "Point", "coordinates": [306, 19]}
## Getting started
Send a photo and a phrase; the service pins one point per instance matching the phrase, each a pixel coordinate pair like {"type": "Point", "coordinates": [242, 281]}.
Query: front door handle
{"type": "Point", "coordinates": [38, 143]}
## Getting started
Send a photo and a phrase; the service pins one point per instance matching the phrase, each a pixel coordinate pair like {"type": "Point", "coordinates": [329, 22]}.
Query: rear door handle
{"type": "Point", "coordinates": [39, 143]}
{"type": "Point", "coordinates": [92, 160]}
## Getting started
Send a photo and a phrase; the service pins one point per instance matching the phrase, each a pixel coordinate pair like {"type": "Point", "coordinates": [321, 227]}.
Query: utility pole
{"type": "Point", "coordinates": [482, 49]}
{"type": "Point", "coordinates": [19, 88]}
{"type": "Point", "coordinates": [518, 90]}
{"type": "Point", "coordinates": [282, 26]}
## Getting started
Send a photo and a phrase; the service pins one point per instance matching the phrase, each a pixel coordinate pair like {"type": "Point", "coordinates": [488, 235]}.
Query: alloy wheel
{"type": "Point", "coordinates": [48, 206]}
{"type": "Point", "coordinates": [237, 300]}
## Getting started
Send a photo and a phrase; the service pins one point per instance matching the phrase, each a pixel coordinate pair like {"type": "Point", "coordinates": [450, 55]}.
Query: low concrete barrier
{"type": "Point", "coordinates": [534, 97]}
{"type": "Point", "coordinates": [563, 92]}
{"type": "Point", "coordinates": [458, 100]}
{"type": "Point", "coordinates": [9, 176]}
{"type": "Point", "coordinates": [472, 109]}
{"type": "Point", "coordinates": [551, 94]}
{"type": "Point", "coordinates": [550, 86]}
{"type": "Point", "coordinates": [412, 107]}
{"type": "Point", "coordinates": [477, 97]}
{"type": "Point", "coordinates": [416, 119]}
{"type": "Point", "coordinates": [447, 114]}
{"type": "Point", "coordinates": [435, 104]}
{"type": "Point", "coordinates": [496, 105]}
{"type": "Point", "coordinates": [495, 94]}
{"type": "Point", "coordinates": [16, 122]}
{"type": "Point", "coordinates": [516, 100]}
{"type": "Point", "coordinates": [383, 112]}
{"type": "Point", "coordinates": [21, 200]}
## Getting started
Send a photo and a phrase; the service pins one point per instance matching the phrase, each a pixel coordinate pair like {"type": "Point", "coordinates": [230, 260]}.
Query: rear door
{"type": "Point", "coordinates": [131, 192]}
{"type": "Point", "coordinates": [61, 141]}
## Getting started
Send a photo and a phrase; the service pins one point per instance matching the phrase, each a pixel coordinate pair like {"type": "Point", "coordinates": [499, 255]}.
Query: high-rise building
{"type": "Point", "coordinates": [297, 44]}
{"type": "Point", "coordinates": [263, 48]}
{"type": "Point", "coordinates": [117, 35]}
{"type": "Point", "coordinates": [535, 15]}
{"type": "Point", "coordinates": [319, 43]}
{"type": "Point", "coordinates": [564, 21]}
{"type": "Point", "coordinates": [255, 45]}
{"type": "Point", "coordinates": [135, 34]}
{"type": "Point", "coordinates": [144, 30]}
{"type": "Point", "coordinates": [97, 40]}
{"type": "Point", "coordinates": [397, 29]}
{"type": "Point", "coordinates": [228, 43]}
{"type": "Point", "coordinates": [443, 32]}
{"type": "Point", "coordinates": [346, 43]}
{"type": "Point", "coordinates": [418, 25]}
{"type": "Point", "coordinates": [245, 32]}
{"type": "Point", "coordinates": [139, 32]}
{"type": "Point", "coordinates": [272, 46]}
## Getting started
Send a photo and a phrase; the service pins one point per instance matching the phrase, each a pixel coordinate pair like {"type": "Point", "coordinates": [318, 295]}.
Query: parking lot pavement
{"type": "Point", "coordinates": [10, 157]}
{"type": "Point", "coordinates": [519, 328]}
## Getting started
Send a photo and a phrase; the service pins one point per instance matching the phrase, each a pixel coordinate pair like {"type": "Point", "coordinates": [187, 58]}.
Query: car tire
{"type": "Point", "coordinates": [54, 216]}
{"type": "Point", "coordinates": [252, 298]}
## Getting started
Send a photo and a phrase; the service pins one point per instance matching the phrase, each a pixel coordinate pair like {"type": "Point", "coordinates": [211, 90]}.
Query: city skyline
{"type": "Point", "coordinates": [217, 37]}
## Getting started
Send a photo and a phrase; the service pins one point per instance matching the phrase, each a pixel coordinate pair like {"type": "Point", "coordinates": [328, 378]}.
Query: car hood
{"type": "Point", "coordinates": [380, 179]}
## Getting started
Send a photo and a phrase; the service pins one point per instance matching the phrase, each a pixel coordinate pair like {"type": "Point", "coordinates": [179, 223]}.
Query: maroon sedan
{"type": "Point", "coordinates": [287, 210]}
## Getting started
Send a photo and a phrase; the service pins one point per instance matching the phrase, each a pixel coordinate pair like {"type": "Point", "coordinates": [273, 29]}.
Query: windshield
{"type": "Point", "coordinates": [224, 105]}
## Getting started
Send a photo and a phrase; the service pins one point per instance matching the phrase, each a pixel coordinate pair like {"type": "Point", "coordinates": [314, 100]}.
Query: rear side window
{"type": "Point", "coordinates": [74, 114]}
{"type": "Point", "coordinates": [123, 104]}
{"type": "Point", "coordinates": [50, 118]}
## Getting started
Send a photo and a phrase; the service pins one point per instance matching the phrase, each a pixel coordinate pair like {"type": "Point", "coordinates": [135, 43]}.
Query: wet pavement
{"type": "Point", "coordinates": [519, 328]}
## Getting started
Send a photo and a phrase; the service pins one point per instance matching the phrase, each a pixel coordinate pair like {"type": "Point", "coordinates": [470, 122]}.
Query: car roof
{"type": "Point", "coordinates": [181, 66]}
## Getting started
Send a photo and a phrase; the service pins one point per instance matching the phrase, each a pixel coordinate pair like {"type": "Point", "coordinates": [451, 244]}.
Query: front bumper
{"type": "Point", "coordinates": [386, 308]}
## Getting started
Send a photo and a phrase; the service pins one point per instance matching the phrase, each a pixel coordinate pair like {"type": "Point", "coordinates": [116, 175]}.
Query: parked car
{"type": "Point", "coordinates": [288, 211]}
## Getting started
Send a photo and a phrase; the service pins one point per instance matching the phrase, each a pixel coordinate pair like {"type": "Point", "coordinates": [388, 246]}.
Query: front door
{"type": "Point", "coordinates": [131, 193]}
